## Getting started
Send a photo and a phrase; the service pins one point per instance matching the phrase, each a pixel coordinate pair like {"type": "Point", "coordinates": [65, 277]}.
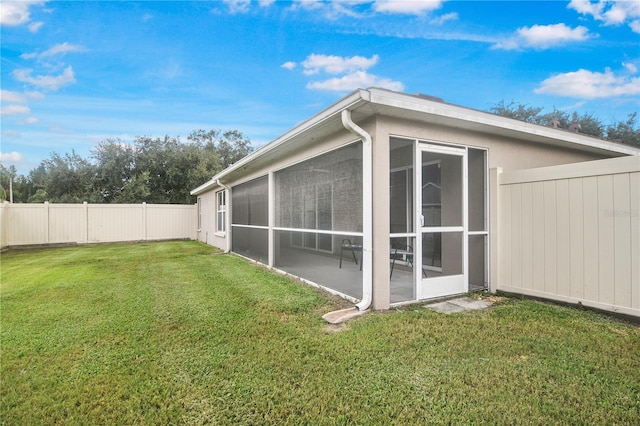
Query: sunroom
{"type": "Point", "coordinates": [382, 198]}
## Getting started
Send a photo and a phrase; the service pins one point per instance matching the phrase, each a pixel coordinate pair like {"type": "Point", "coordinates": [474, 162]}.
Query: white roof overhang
{"type": "Point", "coordinates": [374, 101]}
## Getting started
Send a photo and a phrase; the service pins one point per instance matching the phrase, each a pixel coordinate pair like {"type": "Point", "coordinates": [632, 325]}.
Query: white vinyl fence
{"type": "Point", "coordinates": [35, 224]}
{"type": "Point", "coordinates": [570, 233]}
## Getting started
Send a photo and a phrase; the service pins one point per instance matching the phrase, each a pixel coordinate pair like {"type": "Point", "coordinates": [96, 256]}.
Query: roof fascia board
{"type": "Point", "coordinates": [403, 101]}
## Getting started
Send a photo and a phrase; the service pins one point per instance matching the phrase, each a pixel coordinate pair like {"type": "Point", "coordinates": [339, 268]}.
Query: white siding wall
{"type": "Point", "coordinates": [207, 232]}
{"type": "Point", "coordinates": [572, 233]}
{"type": "Point", "coordinates": [30, 224]}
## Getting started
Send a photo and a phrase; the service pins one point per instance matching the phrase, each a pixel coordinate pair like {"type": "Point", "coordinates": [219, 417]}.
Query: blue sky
{"type": "Point", "coordinates": [75, 73]}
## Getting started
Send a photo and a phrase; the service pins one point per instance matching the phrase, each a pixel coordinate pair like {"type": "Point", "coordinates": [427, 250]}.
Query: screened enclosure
{"type": "Point", "coordinates": [318, 220]}
{"type": "Point", "coordinates": [250, 219]}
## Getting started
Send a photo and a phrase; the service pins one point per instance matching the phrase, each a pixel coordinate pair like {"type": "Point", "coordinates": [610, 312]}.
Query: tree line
{"type": "Point", "coordinates": [626, 131]}
{"type": "Point", "coordinates": [164, 169]}
{"type": "Point", "coordinates": [160, 170]}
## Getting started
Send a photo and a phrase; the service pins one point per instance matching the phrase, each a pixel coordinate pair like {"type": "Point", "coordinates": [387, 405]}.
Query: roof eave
{"type": "Point", "coordinates": [470, 117]}
{"type": "Point", "coordinates": [351, 101]}
{"type": "Point", "coordinates": [448, 114]}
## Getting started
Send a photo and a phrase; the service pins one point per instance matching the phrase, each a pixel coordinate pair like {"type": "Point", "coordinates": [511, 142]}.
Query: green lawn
{"type": "Point", "coordinates": [167, 333]}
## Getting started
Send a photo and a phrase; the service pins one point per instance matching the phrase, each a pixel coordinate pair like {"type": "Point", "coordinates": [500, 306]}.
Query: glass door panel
{"type": "Point", "coordinates": [441, 196]}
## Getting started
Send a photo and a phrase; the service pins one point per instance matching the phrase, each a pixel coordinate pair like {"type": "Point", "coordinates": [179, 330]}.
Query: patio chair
{"type": "Point", "coordinates": [347, 245]}
{"type": "Point", "coordinates": [402, 251]}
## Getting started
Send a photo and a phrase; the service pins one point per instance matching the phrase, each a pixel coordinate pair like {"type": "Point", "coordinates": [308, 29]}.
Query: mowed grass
{"type": "Point", "coordinates": [168, 333]}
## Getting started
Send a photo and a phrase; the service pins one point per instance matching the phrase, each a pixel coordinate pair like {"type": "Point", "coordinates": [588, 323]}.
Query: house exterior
{"type": "Point", "coordinates": [383, 198]}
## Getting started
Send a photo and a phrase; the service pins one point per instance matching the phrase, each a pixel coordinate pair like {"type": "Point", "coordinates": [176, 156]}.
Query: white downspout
{"type": "Point", "coordinates": [227, 223]}
{"type": "Point", "coordinates": [367, 209]}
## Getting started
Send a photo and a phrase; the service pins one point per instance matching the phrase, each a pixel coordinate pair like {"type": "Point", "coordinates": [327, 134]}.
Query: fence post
{"type": "Point", "coordinates": [46, 222]}
{"type": "Point", "coordinates": [85, 215]}
{"type": "Point", "coordinates": [144, 221]}
{"type": "Point", "coordinates": [494, 227]}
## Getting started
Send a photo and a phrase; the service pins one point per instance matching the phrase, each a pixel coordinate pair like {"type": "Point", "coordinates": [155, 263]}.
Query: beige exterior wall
{"type": "Point", "coordinates": [510, 154]}
{"type": "Point", "coordinates": [571, 233]}
{"type": "Point", "coordinates": [35, 224]}
{"type": "Point", "coordinates": [381, 218]}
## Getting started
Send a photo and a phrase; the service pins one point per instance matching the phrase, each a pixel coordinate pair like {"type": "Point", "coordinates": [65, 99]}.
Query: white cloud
{"type": "Point", "coordinates": [584, 84]}
{"type": "Point", "coordinates": [632, 68]}
{"type": "Point", "coordinates": [58, 49]}
{"type": "Point", "coordinates": [45, 82]}
{"type": "Point", "coordinates": [30, 120]}
{"type": "Point", "coordinates": [331, 64]}
{"type": "Point", "coordinates": [289, 65]}
{"type": "Point", "coordinates": [266, 3]}
{"type": "Point", "coordinates": [355, 80]}
{"type": "Point", "coordinates": [34, 27]}
{"type": "Point", "coordinates": [352, 73]}
{"type": "Point", "coordinates": [585, 7]}
{"type": "Point", "coordinates": [331, 9]}
{"type": "Point", "coordinates": [10, 157]}
{"type": "Point", "coordinates": [610, 12]}
{"type": "Point", "coordinates": [34, 95]}
{"type": "Point", "coordinates": [308, 4]}
{"type": "Point", "coordinates": [453, 16]}
{"type": "Point", "coordinates": [14, 110]}
{"type": "Point", "coordinates": [238, 6]}
{"type": "Point", "coordinates": [407, 7]}
{"type": "Point", "coordinates": [15, 97]}
{"type": "Point", "coordinates": [14, 13]}
{"type": "Point", "coordinates": [544, 37]}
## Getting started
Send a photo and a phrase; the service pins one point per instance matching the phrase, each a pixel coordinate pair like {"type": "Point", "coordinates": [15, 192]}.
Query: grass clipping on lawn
{"type": "Point", "coordinates": [164, 333]}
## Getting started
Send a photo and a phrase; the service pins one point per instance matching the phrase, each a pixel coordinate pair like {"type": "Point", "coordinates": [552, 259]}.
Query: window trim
{"type": "Point", "coordinates": [221, 213]}
{"type": "Point", "coordinates": [199, 202]}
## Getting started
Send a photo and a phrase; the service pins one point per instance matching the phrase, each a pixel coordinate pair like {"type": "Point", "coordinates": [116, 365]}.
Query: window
{"type": "Point", "coordinates": [221, 209]}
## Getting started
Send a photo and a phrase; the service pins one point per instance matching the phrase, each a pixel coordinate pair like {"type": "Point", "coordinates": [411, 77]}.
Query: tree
{"type": "Point", "coordinates": [6, 176]}
{"type": "Point", "coordinates": [115, 162]}
{"type": "Point", "coordinates": [151, 169]}
{"type": "Point", "coordinates": [626, 132]}
{"type": "Point", "coordinates": [230, 146]}
{"type": "Point", "coordinates": [520, 112]}
{"type": "Point", "coordinates": [67, 178]}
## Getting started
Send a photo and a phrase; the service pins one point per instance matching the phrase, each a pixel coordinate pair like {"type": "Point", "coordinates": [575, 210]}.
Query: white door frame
{"type": "Point", "coordinates": [427, 288]}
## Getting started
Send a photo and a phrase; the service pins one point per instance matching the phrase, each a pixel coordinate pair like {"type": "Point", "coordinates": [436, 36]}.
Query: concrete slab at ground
{"type": "Point", "coordinates": [461, 304]}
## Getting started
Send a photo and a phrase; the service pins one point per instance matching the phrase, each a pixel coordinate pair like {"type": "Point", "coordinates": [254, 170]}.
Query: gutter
{"type": "Point", "coordinates": [227, 223]}
{"type": "Point", "coordinates": [367, 209]}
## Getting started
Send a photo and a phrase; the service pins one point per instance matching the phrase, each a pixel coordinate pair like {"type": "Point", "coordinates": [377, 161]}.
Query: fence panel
{"type": "Point", "coordinates": [171, 221]}
{"type": "Point", "coordinates": [36, 224]}
{"type": "Point", "coordinates": [27, 224]}
{"type": "Point", "coordinates": [115, 222]}
{"type": "Point", "coordinates": [571, 233]}
{"type": "Point", "coordinates": [3, 224]}
{"type": "Point", "coordinates": [67, 223]}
